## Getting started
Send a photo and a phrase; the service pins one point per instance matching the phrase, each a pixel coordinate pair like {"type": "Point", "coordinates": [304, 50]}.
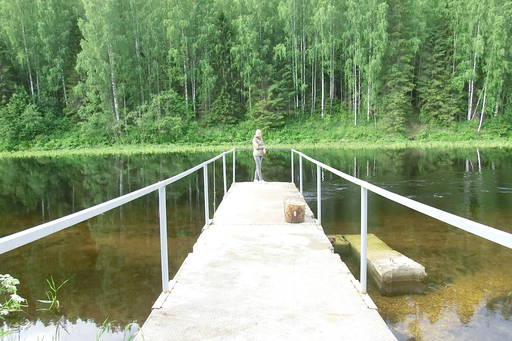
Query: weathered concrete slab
{"type": "Point", "coordinates": [252, 276]}
{"type": "Point", "coordinates": [393, 272]}
{"type": "Point", "coordinates": [258, 203]}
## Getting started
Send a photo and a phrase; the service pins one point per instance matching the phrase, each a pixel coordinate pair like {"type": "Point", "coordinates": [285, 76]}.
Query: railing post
{"type": "Point", "coordinates": [162, 212]}
{"type": "Point", "coordinates": [319, 194]}
{"type": "Point", "coordinates": [293, 180]}
{"type": "Point", "coordinates": [300, 173]}
{"type": "Point", "coordinates": [206, 201]}
{"type": "Point", "coordinates": [224, 172]}
{"type": "Point", "coordinates": [364, 230]}
{"type": "Point", "coordinates": [234, 164]}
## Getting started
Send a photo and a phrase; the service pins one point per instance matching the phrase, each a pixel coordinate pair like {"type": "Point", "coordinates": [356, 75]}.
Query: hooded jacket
{"type": "Point", "coordinates": [258, 146]}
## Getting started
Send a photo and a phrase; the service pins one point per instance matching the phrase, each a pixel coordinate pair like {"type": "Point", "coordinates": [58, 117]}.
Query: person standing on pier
{"type": "Point", "coordinates": [258, 151]}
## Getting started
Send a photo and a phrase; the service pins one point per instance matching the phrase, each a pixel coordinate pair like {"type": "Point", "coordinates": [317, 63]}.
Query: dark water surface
{"type": "Point", "coordinates": [113, 265]}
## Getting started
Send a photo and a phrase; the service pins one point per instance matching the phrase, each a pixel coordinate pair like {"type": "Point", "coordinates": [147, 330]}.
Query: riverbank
{"type": "Point", "coordinates": [191, 148]}
{"type": "Point", "coordinates": [307, 133]}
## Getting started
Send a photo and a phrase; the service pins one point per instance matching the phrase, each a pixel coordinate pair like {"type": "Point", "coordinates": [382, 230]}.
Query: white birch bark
{"type": "Point", "coordinates": [359, 90]}
{"type": "Point", "coordinates": [479, 161]}
{"type": "Point", "coordinates": [185, 85]}
{"type": "Point", "coordinates": [368, 102]}
{"type": "Point", "coordinates": [113, 83]}
{"type": "Point", "coordinates": [64, 89]}
{"type": "Point", "coordinates": [303, 69]}
{"type": "Point", "coordinates": [313, 84]}
{"type": "Point", "coordinates": [29, 67]}
{"type": "Point", "coordinates": [482, 113]}
{"type": "Point", "coordinates": [354, 103]}
{"type": "Point", "coordinates": [472, 81]}
{"type": "Point", "coordinates": [331, 78]}
{"type": "Point", "coordinates": [323, 91]}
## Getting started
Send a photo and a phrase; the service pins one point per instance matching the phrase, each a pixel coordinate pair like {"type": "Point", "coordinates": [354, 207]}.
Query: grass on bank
{"type": "Point", "coordinates": [313, 132]}
{"type": "Point", "coordinates": [218, 148]}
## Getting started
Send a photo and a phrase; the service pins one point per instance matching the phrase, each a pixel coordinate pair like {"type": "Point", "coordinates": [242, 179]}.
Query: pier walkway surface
{"type": "Point", "coordinates": [252, 276]}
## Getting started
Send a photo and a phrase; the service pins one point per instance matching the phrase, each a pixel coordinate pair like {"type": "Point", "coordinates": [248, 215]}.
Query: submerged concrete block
{"type": "Point", "coordinates": [392, 272]}
{"type": "Point", "coordinates": [340, 244]}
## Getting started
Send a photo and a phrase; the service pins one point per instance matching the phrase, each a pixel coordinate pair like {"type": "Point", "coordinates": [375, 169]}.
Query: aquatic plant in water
{"type": "Point", "coordinates": [51, 294]}
{"type": "Point", "coordinates": [129, 333]}
{"type": "Point", "coordinates": [10, 301]}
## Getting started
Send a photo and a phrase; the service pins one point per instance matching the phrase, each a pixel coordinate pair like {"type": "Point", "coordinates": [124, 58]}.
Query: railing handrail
{"type": "Point", "coordinates": [29, 235]}
{"type": "Point", "coordinates": [487, 232]}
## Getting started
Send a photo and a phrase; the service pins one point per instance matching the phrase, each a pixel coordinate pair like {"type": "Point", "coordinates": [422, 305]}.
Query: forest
{"type": "Point", "coordinates": [100, 72]}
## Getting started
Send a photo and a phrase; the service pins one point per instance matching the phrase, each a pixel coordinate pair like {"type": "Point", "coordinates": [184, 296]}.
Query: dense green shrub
{"type": "Point", "coordinates": [163, 120]}
{"type": "Point", "coordinates": [224, 110]}
{"type": "Point", "coordinates": [21, 122]}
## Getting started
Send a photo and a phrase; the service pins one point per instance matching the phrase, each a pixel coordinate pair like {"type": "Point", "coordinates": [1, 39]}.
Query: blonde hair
{"type": "Point", "coordinates": [257, 133]}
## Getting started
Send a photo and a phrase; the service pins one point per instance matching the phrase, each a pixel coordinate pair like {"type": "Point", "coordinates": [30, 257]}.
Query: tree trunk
{"type": "Point", "coordinates": [185, 71]}
{"type": "Point", "coordinates": [64, 89]}
{"type": "Point", "coordinates": [341, 79]}
{"type": "Point", "coordinates": [158, 91]}
{"type": "Point", "coordinates": [141, 86]}
{"type": "Point", "coordinates": [295, 65]}
{"type": "Point", "coordinates": [482, 113]}
{"type": "Point", "coordinates": [331, 78]}
{"type": "Point", "coordinates": [472, 82]}
{"type": "Point", "coordinates": [194, 94]}
{"type": "Point", "coordinates": [37, 84]}
{"type": "Point", "coordinates": [454, 51]}
{"type": "Point", "coordinates": [358, 90]}
{"type": "Point", "coordinates": [354, 103]}
{"type": "Point", "coordinates": [323, 91]}
{"type": "Point", "coordinates": [475, 110]}
{"type": "Point", "coordinates": [113, 83]}
{"type": "Point", "coordinates": [303, 69]}
{"type": "Point", "coordinates": [479, 161]}
{"type": "Point", "coordinates": [368, 102]}
{"type": "Point", "coordinates": [470, 99]}
{"type": "Point", "coordinates": [29, 67]}
{"type": "Point", "coordinates": [313, 84]}
{"type": "Point", "coordinates": [185, 85]}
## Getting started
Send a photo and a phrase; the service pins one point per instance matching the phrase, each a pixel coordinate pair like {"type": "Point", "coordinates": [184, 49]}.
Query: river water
{"type": "Point", "coordinates": [112, 262]}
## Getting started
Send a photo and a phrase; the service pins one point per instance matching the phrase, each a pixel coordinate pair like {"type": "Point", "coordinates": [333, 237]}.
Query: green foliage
{"type": "Point", "coordinates": [7, 83]}
{"type": "Point", "coordinates": [500, 126]}
{"type": "Point", "coordinates": [103, 72]}
{"type": "Point", "coordinates": [163, 120]}
{"type": "Point", "coordinates": [439, 103]}
{"type": "Point", "coordinates": [398, 76]}
{"type": "Point", "coordinates": [21, 121]}
{"type": "Point", "coordinates": [268, 112]}
{"type": "Point", "coordinates": [224, 110]}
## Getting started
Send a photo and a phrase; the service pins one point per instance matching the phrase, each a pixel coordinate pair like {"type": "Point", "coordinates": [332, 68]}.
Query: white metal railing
{"type": "Point", "coordinates": [484, 231]}
{"type": "Point", "coordinates": [27, 236]}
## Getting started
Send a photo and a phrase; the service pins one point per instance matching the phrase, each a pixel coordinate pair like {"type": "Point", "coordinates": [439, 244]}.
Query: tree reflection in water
{"type": "Point", "coordinates": [113, 260]}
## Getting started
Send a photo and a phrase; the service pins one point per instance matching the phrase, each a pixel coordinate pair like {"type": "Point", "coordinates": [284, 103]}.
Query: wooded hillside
{"type": "Point", "coordinates": [154, 70]}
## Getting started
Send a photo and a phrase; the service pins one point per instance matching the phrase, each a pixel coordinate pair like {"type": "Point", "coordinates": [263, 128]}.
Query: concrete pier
{"type": "Point", "coordinates": [252, 276]}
